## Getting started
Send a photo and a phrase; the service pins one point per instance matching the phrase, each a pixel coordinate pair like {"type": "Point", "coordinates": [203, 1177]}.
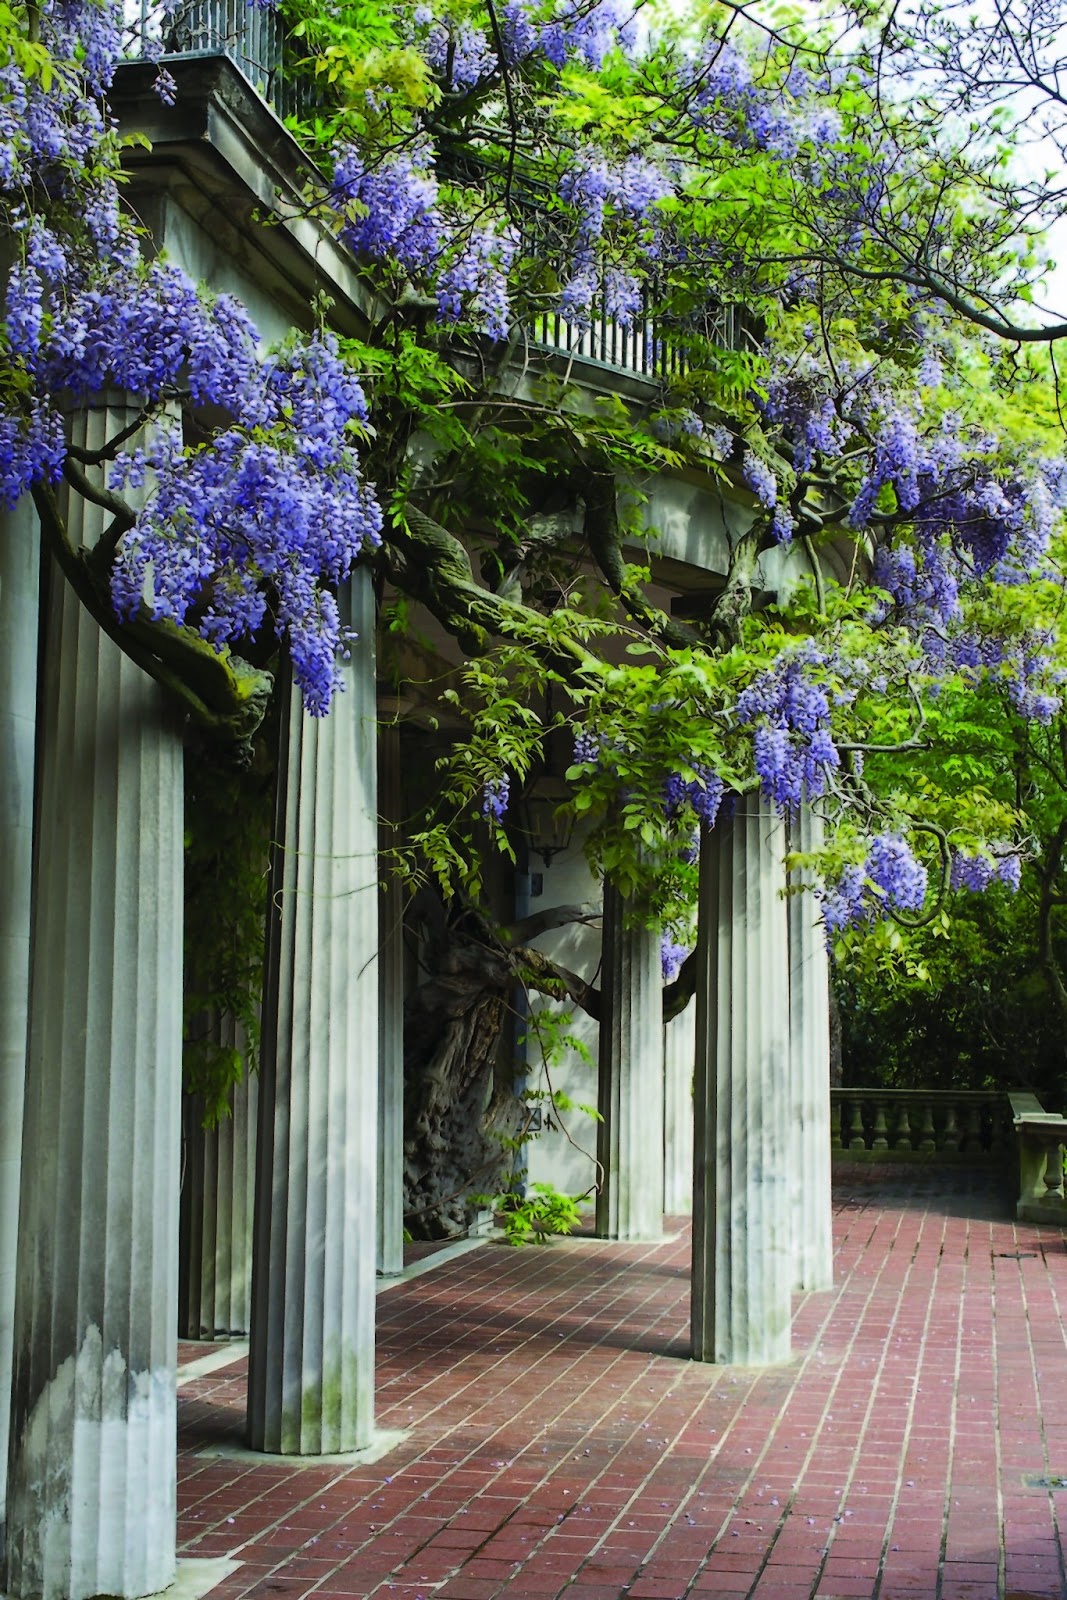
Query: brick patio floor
{"type": "Point", "coordinates": [559, 1441]}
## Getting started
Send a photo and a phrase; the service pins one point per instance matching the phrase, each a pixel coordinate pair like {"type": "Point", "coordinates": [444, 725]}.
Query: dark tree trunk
{"type": "Point", "coordinates": [459, 1100]}
{"type": "Point", "coordinates": [461, 1111]}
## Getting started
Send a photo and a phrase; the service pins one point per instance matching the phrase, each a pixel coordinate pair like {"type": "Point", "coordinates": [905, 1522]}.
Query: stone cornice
{"type": "Point", "coordinates": [227, 159]}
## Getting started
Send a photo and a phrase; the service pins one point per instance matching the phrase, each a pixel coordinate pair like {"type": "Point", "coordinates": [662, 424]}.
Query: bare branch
{"type": "Point", "coordinates": [552, 917]}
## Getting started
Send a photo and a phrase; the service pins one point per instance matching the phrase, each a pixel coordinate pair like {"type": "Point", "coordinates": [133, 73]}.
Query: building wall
{"type": "Point", "coordinates": [568, 1159]}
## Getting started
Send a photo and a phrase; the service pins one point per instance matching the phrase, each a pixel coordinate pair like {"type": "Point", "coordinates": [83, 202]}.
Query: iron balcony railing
{"type": "Point", "coordinates": [651, 346]}
{"type": "Point", "coordinates": [249, 35]}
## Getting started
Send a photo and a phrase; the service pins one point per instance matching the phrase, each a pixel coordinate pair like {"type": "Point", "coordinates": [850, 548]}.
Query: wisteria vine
{"type": "Point", "coordinates": [247, 525]}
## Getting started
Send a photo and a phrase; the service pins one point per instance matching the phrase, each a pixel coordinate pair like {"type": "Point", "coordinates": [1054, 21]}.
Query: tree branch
{"type": "Point", "coordinates": [108, 452]}
{"type": "Point", "coordinates": [734, 603]}
{"type": "Point", "coordinates": [224, 693]}
{"type": "Point", "coordinates": [677, 995]}
{"type": "Point", "coordinates": [98, 495]}
{"type": "Point", "coordinates": [605, 545]}
{"type": "Point", "coordinates": [552, 917]}
{"type": "Point", "coordinates": [547, 977]}
{"type": "Point", "coordinates": [433, 567]}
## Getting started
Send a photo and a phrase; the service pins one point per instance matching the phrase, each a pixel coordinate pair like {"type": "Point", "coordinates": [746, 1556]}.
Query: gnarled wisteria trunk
{"type": "Point", "coordinates": [459, 1095]}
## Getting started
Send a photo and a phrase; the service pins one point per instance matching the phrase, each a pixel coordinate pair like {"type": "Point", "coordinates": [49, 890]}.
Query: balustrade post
{"type": "Point", "coordinates": [1003, 1130]}
{"type": "Point", "coordinates": [1032, 1163]}
{"type": "Point", "coordinates": [951, 1137]}
{"type": "Point", "coordinates": [903, 1139]}
{"type": "Point", "coordinates": [879, 1141]}
{"type": "Point", "coordinates": [919, 1123]}
{"type": "Point", "coordinates": [857, 1138]}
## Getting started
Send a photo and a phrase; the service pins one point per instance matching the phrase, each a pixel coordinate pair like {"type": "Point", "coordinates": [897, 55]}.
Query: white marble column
{"type": "Point", "coordinates": [390, 1015]}
{"type": "Point", "coordinates": [809, 1048]}
{"type": "Point", "coordinates": [629, 1204]}
{"type": "Point", "coordinates": [311, 1369]}
{"type": "Point", "coordinates": [742, 1243]}
{"type": "Point", "coordinates": [91, 1495]}
{"type": "Point", "coordinates": [218, 1189]}
{"type": "Point", "coordinates": [20, 557]}
{"type": "Point", "coordinates": [679, 1054]}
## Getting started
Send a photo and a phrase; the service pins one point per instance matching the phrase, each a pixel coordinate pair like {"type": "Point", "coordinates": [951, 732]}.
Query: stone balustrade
{"type": "Point", "coordinates": [917, 1124]}
{"type": "Point", "coordinates": [1040, 1137]}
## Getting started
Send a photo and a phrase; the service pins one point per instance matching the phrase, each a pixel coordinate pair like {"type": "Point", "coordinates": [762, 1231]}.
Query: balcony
{"type": "Point", "coordinates": [651, 348]}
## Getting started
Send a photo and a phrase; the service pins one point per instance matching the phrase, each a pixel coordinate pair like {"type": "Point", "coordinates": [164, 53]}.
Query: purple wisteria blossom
{"type": "Point", "coordinates": [671, 956]}
{"type": "Point", "coordinates": [790, 713]}
{"type": "Point", "coordinates": [496, 793]}
{"type": "Point", "coordinates": [475, 281]}
{"type": "Point", "coordinates": [702, 794]}
{"type": "Point", "coordinates": [389, 209]}
{"type": "Point", "coordinates": [276, 504]}
{"type": "Point", "coordinates": [586, 747]}
{"type": "Point", "coordinates": [760, 479]}
{"type": "Point", "coordinates": [890, 879]}
{"type": "Point", "coordinates": [1001, 864]}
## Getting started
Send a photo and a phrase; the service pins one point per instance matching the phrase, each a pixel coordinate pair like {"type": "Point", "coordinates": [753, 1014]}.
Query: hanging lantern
{"type": "Point", "coordinates": [542, 817]}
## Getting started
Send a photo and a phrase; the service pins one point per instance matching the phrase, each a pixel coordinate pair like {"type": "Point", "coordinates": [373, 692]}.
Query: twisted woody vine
{"type": "Point", "coordinates": [846, 374]}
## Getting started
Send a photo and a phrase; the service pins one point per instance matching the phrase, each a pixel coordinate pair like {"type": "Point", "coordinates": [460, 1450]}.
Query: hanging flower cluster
{"type": "Point", "coordinates": [789, 711]}
{"type": "Point", "coordinates": [890, 879]}
{"type": "Point", "coordinates": [260, 524]}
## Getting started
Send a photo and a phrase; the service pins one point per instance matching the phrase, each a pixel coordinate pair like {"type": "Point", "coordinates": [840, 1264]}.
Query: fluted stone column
{"type": "Point", "coordinates": [218, 1193]}
{"type": "Point", "coordinates": [390, 1016]}
{"type": "Point", "coordinates": [679, 1053]}
{"type": "Point", "coordinates": [630, 1096]}
{"type": "Point", "coordinates": [311, 1368]}
{"type": "Point", "coordinates": [742, 1243]}
{"type": "Point", "coordinates": [20, 557]}
{"type": "Point", "coordinates": [809, 1046]}
{"type": "Point", "coordinates": [91, 1504]}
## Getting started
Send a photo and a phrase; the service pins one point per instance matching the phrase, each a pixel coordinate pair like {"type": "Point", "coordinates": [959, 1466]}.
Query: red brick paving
{"type": "Point", "coordinates": [560, 1443]}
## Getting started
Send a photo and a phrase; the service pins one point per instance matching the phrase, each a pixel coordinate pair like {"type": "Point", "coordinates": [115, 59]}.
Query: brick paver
{"type": "Point", "coordinates": [559, 1442]}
